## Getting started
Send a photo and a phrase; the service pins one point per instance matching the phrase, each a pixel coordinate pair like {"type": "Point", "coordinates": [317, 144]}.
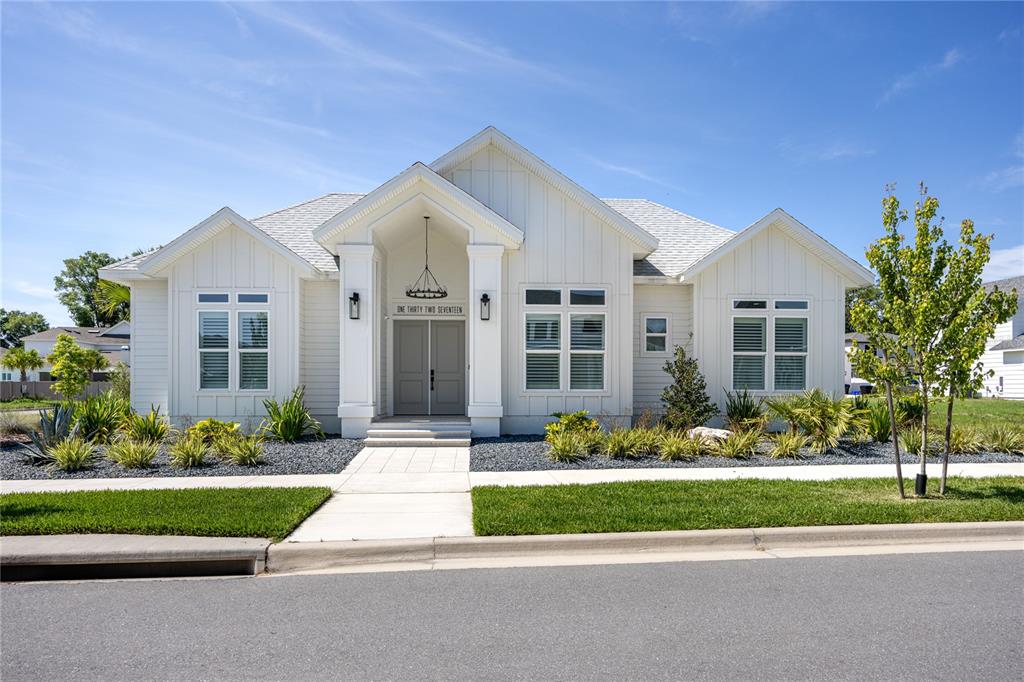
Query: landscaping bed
{"type": "Point", "coordinates": [307, 456]}
{"type": "Point", "coordinates": [222, 512]}
{"type": "Point", "coordinates": [530, 453]}
{"type": "Point", "coordinates": [750, 503]}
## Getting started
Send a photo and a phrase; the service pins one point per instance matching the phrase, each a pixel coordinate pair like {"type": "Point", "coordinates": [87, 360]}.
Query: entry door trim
{"type": "Point", "coordinates": [396, 360]}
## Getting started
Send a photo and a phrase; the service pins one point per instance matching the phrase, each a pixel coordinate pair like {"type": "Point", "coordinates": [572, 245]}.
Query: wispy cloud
{"type": "Point", "coordinates": [909, 81]}
{"type": "Point", "coordinates": [628, 170]}
{"type": "Point", "coordinates": [832, 150]}
{"type": "Point", "coordinates": [699, 22]}
{"type": "Point", "coordinates": [1008, 262]}
{"type": "Point", "coordinates": [31, 289]}
{"type": "Point", "coordinates": [1009, 177]}
{"type": "Point", "coordinates": [1009, 34]}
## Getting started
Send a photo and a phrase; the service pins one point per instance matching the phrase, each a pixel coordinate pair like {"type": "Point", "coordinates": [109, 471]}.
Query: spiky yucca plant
{"type": "Point", "coordinates": [566, 446]}
{"type": "Point", "coordinates": [189, 451]}
{"type": "Point", "coordinates": [739, 445]}
{"type": "Point", "coordinates": [289, 420]}
{"type": "Point", "coordinates": [787, 445]}
{"type": "Point", "coordinates": [133, 454]}
{"type": "Point", "coordinates": [72, 454]}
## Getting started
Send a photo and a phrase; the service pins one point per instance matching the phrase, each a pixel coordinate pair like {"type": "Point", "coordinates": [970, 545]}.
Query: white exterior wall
{"type": "Point", "coordinates": [770, 264]}
{"type": "Point", "coordinates": [1008, 380]}
{"type": "Point", "coordinates": [674, 302]}
{"type": "Point", "coordinates": [565, 244]}
{"type": "Point", "coordinates": [149, 345]}
{"type": "Point", "coordinates": [318, 350]}
{"type": "Point", "coordinates": [231, 261]}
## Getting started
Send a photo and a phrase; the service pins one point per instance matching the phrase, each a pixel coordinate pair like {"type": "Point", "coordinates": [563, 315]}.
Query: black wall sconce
{"type": "Point", "coordinates": [485, 307]}
{"type": "Point", "coordinates": [353, 306]}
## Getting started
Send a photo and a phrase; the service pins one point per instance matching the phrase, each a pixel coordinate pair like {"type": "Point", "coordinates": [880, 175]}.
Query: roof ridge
{"type": "Point", "coordinates": [307, 201]}
{"type": "Point", "coordinates": [669, 208]}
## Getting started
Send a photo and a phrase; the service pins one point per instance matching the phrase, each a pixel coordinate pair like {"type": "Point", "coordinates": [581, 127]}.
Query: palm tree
{"type": "Point", "coordinates": [114, 299]}
{"type": "Point", "coordinates": [22, 360]}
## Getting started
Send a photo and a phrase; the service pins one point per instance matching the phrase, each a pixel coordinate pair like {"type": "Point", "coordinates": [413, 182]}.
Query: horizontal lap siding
{"type": "Point", "coordinates": [149, 345]}
{"type": "Point", "coordinates": [649, 377]}
{"type": "Point", "coordinates": [318, 364]}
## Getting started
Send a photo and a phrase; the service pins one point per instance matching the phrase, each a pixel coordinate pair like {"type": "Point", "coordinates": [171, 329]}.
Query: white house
{"type": "Point", "coordinates": [555, 300]}
{"type": "Point", "coordinates": [1004, 352]}
{"type": "Point", "coordinates": [112, 342]}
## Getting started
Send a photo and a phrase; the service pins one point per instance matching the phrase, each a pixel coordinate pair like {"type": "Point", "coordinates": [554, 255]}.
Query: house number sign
{"type": "Point", "coordinates": [427, 309]}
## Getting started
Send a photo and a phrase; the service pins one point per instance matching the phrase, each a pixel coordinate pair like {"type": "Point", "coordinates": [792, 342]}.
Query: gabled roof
{"type": "Point", "coordinates": [853, 270]}
{"type": "Point", "coordinates": [293, 226]}
{"type": "Point", "coordinates": [1016, 343]}
{"type": "Point", "coordinates": [492, 136]}
{"type": "Point", "coordinates": [416, 173]}
{"type": "Point", "coordinates": [682, 239]}
{"type": "Point", "coordinates": [1007, 284]}
{"type": "Point", "coordinates": [91, 335]}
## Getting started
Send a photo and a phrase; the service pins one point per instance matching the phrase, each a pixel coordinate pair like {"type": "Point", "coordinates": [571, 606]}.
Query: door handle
{"type": "Point", "coordinates": [431, 380]}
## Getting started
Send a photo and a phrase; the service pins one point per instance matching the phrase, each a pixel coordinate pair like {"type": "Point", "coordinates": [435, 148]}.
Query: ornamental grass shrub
{"type": "Point", "coordinates": [98, 418]}
{"type": "Point", "coordinates": [566, 447]}
{"type": "Point", "coordinates": [290, 420]}
{"type": "Point", "coordinates": [240, 450]}
{"type": "Point", "coordinates": [150, 427]}
{"type": "Point", "coordinates": [571, 422]}
{"type": "Point", "coordinates": [623, 444]}
{"type": "Point", "coordinates": [878, 424]}
{"type": "Point", "coordinates": [211, 430]}
{"type": "Point", "coordinates": [72, 454]}
{"type": "Point", "coordinates": [739, 445]}
{"type": "Point", "coordinates": [965, 440]}
{"type": "Point", "coordinates": [787, 445]}
{"type": "Point", "coordinates": [133, 454]}
{"type": "Point", "coordinates": [1005, 439]}
{"type": "Point", "coordinates": [189, 451]}
{"type": "Point", "coordinates": [744, 412]}
{"type": "Point", "coordinates": [683, 448]}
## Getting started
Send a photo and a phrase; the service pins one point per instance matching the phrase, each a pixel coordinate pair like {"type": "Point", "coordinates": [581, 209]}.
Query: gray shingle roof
{"type": "Point", "coordinates": [1010, 344]}
{"type": "Point", "coordinates": [293, 226]}
{"type": "Point", "coordinates": [1007, 284]}
{"type": "Point", "coordinates": [88, 334]}
{"type": "Point", "coordinates": [682, 239]}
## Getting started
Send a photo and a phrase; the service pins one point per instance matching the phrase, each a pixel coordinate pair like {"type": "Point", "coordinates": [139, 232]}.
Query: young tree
{"type": "Point", "coordinates": [972, 316]}
{"type": "Point", "coordinates": [22, 360]}
{"type": "Point", "coordinates": [16, 325]}
{"type": "Point", "coordinates": [686, 398]}
{"type": "Point", "coordinates": [76, 289]}
{"type": "Point", "coordinates": [73, 366]}
{"type": "Point", "coordinates": [870, 294]}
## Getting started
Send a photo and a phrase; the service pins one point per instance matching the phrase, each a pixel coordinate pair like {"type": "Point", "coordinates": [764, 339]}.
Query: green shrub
{"type": "Point", "coordinates": [240, 450]}
{"type": "Point", "coordinates": [965, 440]}
{"type": "Point", "coordinates": [910, 440]}
{"type": "Point", "coordinates": [189, 451]}
{"type": "Point", "coordinates": [571, 422]}
{"type": "Point", "coordinates": [99, 417]}
{"type": "Point", "coordinates": [878, 424]}
{"type": "Point", "coordinates": [12, 425]}
{"type": "Point", "coordinates": [648, 441]}
{"type": "Point", "coordinates": [678, 448]}
{"type": "Point", "coordinates": [151, 427]}
{"type": "Point", "coordinates": [739, 445]}
{"type": "Point", "coordinates": [785, 408]}
{"type": "Point", "coordinates": [686, 398]}
{"type": "Point", "coordinates": [591, 442]}
{"type": "Point", "coordinates": [133, 454]}
{"type": "Point", "coordinates": [289, 420]}
{"type": "Point", "coordinates": [72, 454]}
{"type": "Point", "coordinates": [744, 412]}
{"type": "Point", "coordinates": [1005, 439]}
{"type": "Point", "coordinates": [566, 447]}
{"type": "Point", "coordinates": [787, 445]}
{"type": "Point", "coordinates": [210, 430]}
{"type": "Point", "coordinates": [120, 378]}
{"type": "Point", "coordinates": [55, 426]}
{"type": "Point", "coordinates": [909, 410]}
{"type": "Point", "coordinates": [826, 420]}
{"type": "Point", "coordinates": [622, 444]}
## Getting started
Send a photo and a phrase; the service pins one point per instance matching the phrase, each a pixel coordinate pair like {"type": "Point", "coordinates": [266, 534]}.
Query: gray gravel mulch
{"type": "Point", "coordinates": [308, 456]}
{"type": "Point", "coordinates": [530, 453]}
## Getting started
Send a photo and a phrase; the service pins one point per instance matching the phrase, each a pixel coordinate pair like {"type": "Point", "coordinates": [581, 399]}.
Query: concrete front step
{"type": "Point", "coordinates": [416, 433]}
{"type": "Point", "coordinates": [417, 442]}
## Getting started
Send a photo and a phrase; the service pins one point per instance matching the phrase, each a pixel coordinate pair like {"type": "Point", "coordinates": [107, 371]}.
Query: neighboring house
{"type": "Point", "coordinates": [556, 301]}
{"type": "Point", "coordinates": [854, 384]}
{"type": "Point", "coordinates": [113, 343]}
{"type": "Point", "coordinates": [1004, 352]}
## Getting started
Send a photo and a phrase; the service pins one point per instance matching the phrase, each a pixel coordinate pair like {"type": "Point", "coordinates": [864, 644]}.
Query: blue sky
{"type": "Point", "coordinates": [124, 124]}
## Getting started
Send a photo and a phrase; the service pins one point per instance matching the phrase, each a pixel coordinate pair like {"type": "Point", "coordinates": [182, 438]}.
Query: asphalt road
{"type": "Point", "coordinates": [915, 616]}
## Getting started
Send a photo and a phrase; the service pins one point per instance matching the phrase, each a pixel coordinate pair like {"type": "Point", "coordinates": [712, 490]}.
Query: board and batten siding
{"type": "Point", "coordinates": [1008, 380]}
{"type": "Point", "coordinates": [232, 261]}
{"type": "Point", "coordinates": [149, 345]}
{"type": "Point", "coordinates": [565, 244]}
{"type": "Point", "coordinates": [319, 349]}
{"type": "Point", "coordinates": [770, 264]}
{"type": "Point", "coordinates": [649, 378]}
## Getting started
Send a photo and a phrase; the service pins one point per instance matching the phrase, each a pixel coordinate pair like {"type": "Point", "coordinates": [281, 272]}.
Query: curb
{"type": "Point", "coordinates": [292, 557]}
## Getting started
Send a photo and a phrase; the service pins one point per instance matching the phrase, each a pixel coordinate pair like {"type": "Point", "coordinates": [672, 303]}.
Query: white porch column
{"type": "Point", "coordinates": [358, 362]}
{"type": "Point", "coordinates": [484, 351]}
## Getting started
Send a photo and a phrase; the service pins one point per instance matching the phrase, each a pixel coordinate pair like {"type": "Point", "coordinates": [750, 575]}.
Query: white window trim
{"type": "Point", "coordinates": [200, 351]}
{"type": "Point", "coordinates": [579, 311]}
{"type": "Point", "coordinates": [643, 335]}
{"type": "Point", "coordinates": [791, 354]}
{"type": "Point", "coordinates": [251, 303]}
{"type": "Point", "coordinates": [770, 314]}
{"type": "Point", "coordinates": [239, 350]}
{"type": "Point", "coordinates": [541, 306]}
{"type": "Point", "coordinates": [210, 291]}
{"type": "Point", "coordinates": [542, 310]}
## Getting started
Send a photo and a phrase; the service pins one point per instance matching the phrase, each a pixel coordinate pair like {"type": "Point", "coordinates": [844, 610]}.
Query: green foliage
{"type": "Point", "coordinates": [686, 398]}
{"type": "Point", "coordinates": [744, 412]}
{"type": "Point", "coordinates": [879, 425]}
{"type": "Point", "coordinates": [72, 366]}
{"type": "Point", "coordinates": [826, 420]}
{"type": "Point", "coordinates": [679, 448]}
{"type": "Point", "coordinates": [648, 441]}
{"type": "Point", "coordinates": [112, 300]}
{"type": "Point", "coordinates": [289, 420]}
{"type": "Point", "coordinates": [739, 445]}
{"type": "Point", "coordinates": [870, 295]}
{"type": "Point", "coordinates": [240, 450]}
{"type": "Point", "coordinates": [151, 427]}
{"type": "Point", "coordinates": [787, 445]}
{"type": "Point", "coordinates": [1007, 439]}
{"type": "Point", "coordinates": [965, 440]}
{"type": "Point", "coordinates": [17, 324]}
{"type": "Point", "coordinates": [591, 442]}
{"type": "Point", "coordinates": [22, 361]}
{"type": "Point", "coordinates": [99, 417]}
{"type": "Point", "coordinates": [55, 426]}
{"type": "Point", "coordinates": [785, 408]}
{"type": "Point", "coordinates": [212, 429]}
{"type": "Point", "coordinates": [909, 410]}
{"type": "Point", "coordinates": [189, 451]}
{"type": "Point", "coordinates": [120, 378]}
{"type": "Point", "coordinates": [76, 290]}
{"type": "Point", "coordinates": [72, 454]}
{"type": "Point", "coordinates": [571, 422]}
{"type": "Point", "coordinates": [566, 446]}
{"type": "Point", "coordinates": [133, 454]}
{"type": "Point", "coordinates": [12, 425]}
{"type": "Point", "coordinates": [623, 444]}
{"type": "Point", "coordinates": [910, 440]}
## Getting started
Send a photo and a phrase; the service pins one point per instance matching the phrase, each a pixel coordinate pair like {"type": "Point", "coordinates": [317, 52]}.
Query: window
{"type": "Point", "coordinates": [586, 352]}
{"type": "Point", "coordinates": [214, 357]}
{"type": "Point", "coordinates": [5, 376]}
{"type": "Point", "coordinates": [586, 297]}
{"type": "Point", "coordinates": [213, 298]}
{"type": "Point", "coordinates": [253, 298]}
{"type": "Point", "coordinates": [790, 353]}
{"type": "Point", "coordinates": [791, 305]}
{"type": "Point", "coordinates": [655, 334]}
{"type": "Point", "coordinates": [253, 360]}
{"type": "Point", "coordinates": [543, 297]}
{"type": "Point", "coordinates": [750, 305]}
{"type": "Point", "coordinates": [748, 346]}
{"type": "Point", "coordinates": [543, 351]}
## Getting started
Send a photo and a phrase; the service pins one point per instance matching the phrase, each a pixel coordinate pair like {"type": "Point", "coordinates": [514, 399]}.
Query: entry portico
{"type": "Point", "coordinates": [400, 355]}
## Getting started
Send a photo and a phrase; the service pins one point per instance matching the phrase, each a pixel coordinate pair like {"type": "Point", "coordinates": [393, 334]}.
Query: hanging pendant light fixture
{"type": "Point", "coordinates": [426, 286]}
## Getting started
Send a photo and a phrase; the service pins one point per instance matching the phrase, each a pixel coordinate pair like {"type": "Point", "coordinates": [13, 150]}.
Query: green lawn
{"type": "Point", "coordinates": [684, 505]}
{"type": "Point", "coordinates": [26, 404]}
{"type": "Point", "coordinates": [980, 413]}
{"type": "Point", "coordinates": [229, 512]}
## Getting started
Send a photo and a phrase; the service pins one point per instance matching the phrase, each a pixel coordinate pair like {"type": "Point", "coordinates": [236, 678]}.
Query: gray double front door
{"type": "Point", "coordinates": [430, 367]}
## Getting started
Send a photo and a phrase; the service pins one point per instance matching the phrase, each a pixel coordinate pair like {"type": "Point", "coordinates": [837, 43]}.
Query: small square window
{"type": "Point", "coordinates": [586, 297]}
{"type": "Point", "coordinates": [252, 298]}
{"type": "Point", "coordinates": [214, 298]}
{"type": "Point", "coordinates": [655, 334]}
{"type": "Point", "coordinates": [543, 297]}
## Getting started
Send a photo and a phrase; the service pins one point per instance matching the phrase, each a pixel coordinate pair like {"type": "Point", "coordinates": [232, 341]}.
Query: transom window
{"type": "Point", "coordinates": [561, 339]}
{"type": "Point", "coordinates": [655, 333]}
{"type": "Point", "coordinates": [780, 361]}
{"type": "Point", "coordinates": [253, 298]}
{"type": "Point", "coordinates": [543, 297]}
{"type": "Point", "coordinates": [211, 297]}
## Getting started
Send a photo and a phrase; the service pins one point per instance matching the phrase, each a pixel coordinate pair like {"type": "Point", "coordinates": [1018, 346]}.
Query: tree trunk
{"type": "Point", "coordinates": [895, 439]}
{"type": "Point", "coordinates": [24, 375]}
{"type": "Point", "coordinates": [921, 485]}
{"type": "Point", "coordinates": [945, 453]}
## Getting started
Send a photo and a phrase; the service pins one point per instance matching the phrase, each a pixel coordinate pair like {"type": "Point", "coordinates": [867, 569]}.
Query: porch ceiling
{"type": "Point", "coordinates": [405, 223]}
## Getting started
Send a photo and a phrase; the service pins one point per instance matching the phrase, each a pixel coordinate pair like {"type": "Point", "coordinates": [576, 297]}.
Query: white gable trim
{"type": "Point", "coordinates": [327, 233]}
{"type": "Point", "coordinates": [504, 143]}
{"type": "Point", "coordinates": [812, 241]}
{"type": "Point", "coordinates": [209, 228]}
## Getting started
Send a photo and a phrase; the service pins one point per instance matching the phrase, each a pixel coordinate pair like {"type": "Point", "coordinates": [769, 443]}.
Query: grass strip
{"type": "Point", "coordinates": [750, 503]}
{"type": "Point", "coordinates": [227, 512]}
